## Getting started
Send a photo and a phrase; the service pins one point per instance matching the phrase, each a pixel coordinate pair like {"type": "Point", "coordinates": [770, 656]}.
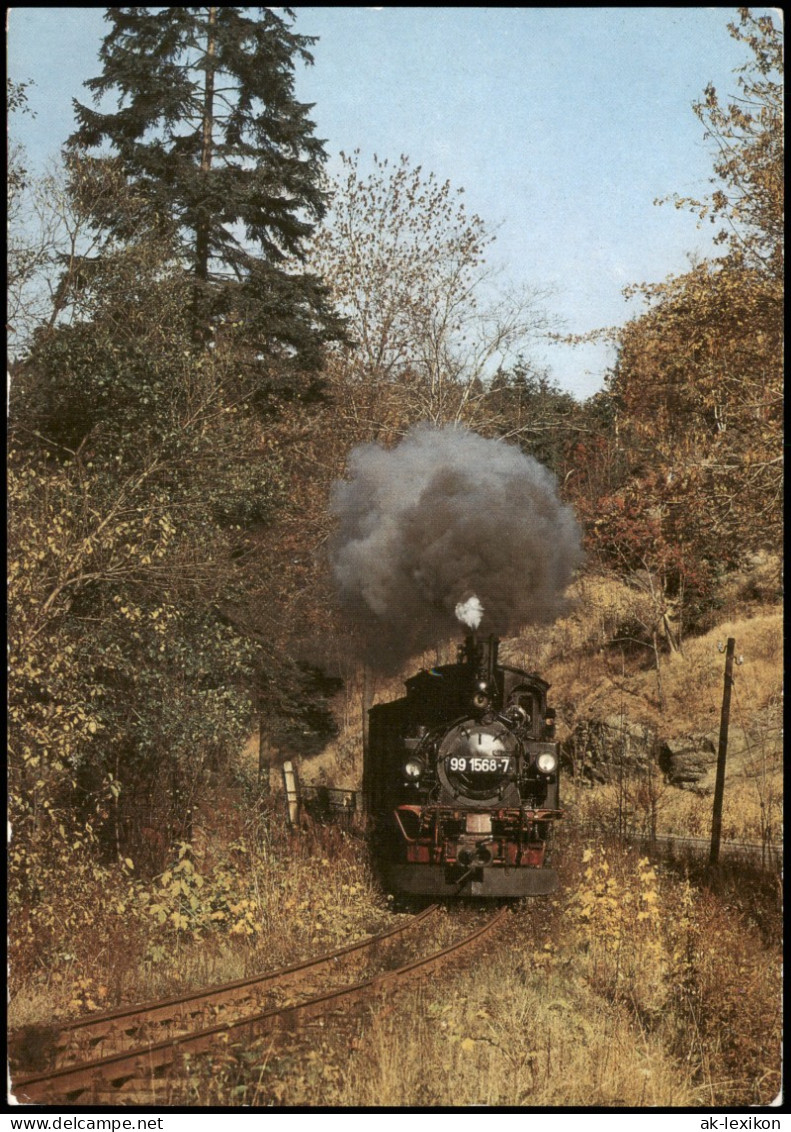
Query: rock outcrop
{"type": "Point", "coordinates": [601, 749]}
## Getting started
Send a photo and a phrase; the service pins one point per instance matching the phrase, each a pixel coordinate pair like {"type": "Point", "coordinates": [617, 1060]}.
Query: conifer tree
{"type": "Point", "coordinates": [210, 138]}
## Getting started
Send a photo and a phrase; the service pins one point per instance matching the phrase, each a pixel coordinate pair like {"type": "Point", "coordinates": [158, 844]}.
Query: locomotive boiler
{"type": "Point", "coordinates": [461, 780]}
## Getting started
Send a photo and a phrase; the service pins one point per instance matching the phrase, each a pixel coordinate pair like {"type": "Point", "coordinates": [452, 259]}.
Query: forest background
{"type": "Point", "coordinates": [206, 325]}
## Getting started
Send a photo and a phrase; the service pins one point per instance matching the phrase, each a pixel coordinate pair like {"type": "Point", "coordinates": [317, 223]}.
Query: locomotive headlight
{"type": "Point", "coordinates": [546, 763]}
{"type": "Point", "coordinates": [413, 768]}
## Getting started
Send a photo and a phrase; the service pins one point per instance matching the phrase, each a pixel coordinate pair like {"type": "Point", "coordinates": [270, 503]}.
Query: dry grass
{"type": "Point", "coordinates": [519, 1032]}
{"type": "Point", "coordinates": [639, 804]}
{"type": "Point", "coordinates": [594, 671]}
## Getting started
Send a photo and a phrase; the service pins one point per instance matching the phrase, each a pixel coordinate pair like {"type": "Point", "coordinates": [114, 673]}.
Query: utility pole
{"type": "Point", "coordinates": [719, 786]}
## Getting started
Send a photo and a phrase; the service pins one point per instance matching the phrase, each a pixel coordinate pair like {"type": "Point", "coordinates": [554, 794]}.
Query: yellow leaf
{"type": "Point", "coordinates": [467, 1045]}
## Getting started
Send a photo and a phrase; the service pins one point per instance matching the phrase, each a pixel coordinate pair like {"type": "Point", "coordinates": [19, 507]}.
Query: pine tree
{"type": "Point", "coordinates": [210, 138]}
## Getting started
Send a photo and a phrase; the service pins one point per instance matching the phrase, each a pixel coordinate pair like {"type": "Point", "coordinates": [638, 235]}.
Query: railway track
{"type": "Point", "coordinates": [136, 1045]}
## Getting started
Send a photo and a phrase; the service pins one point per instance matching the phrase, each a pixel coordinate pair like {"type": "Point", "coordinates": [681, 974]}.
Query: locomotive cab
{"type": "Point", "coordinates": [461, 779]}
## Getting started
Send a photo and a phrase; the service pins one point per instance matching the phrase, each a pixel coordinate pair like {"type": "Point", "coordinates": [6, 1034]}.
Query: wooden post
{"type": "Point", "coordinates": [263, 765]}
{"type": "Point", "coordinates": [263, 751]}
{"type": "Point", "coordinates": [291, 787]}
{"type": "Point", "coordinates": [719, 786]}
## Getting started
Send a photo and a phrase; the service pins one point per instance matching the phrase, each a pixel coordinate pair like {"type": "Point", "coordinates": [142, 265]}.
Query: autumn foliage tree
{"type": "Point", "coordinates": [747, 203]}
{"type": "Point", "coordinates": [126, 688]}
{"type": "Point", "coordinates": [697, 388]}
{"type": "Point", "coordinates": [408, 266]}
{"type": "Point", "coordinates": [524, 405]}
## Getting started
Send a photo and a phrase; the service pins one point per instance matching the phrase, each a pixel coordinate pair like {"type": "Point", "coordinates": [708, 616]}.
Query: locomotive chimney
{"type": "Point", "coordinates": [481, 655]}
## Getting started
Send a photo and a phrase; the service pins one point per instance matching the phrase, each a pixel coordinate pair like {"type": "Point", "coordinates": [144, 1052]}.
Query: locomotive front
{"type": "Point", "coordinates": [461, 780]}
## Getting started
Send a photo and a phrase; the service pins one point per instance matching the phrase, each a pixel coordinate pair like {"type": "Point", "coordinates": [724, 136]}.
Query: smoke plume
{"type": "Point", "coordinates": [447, 527]}
{"type": "Point", "coordinates": [469, 612]}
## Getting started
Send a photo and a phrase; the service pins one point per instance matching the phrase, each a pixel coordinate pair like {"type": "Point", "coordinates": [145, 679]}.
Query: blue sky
{"type": "Point", "coordinates": [563, 125]}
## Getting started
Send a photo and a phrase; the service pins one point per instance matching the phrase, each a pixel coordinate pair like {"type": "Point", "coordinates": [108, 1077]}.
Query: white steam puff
{"type": "Point", "coordinates": [470, 612]}
{"type": "Point", "coordinates": [444, 519]}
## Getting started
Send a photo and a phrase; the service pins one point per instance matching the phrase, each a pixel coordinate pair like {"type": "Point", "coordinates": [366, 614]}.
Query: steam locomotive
{"type": "Point", "coordinates": [461, 780]}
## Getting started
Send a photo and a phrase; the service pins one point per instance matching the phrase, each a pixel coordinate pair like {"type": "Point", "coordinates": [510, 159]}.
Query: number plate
{"type": "Point", "coordinates": [475, 764]}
